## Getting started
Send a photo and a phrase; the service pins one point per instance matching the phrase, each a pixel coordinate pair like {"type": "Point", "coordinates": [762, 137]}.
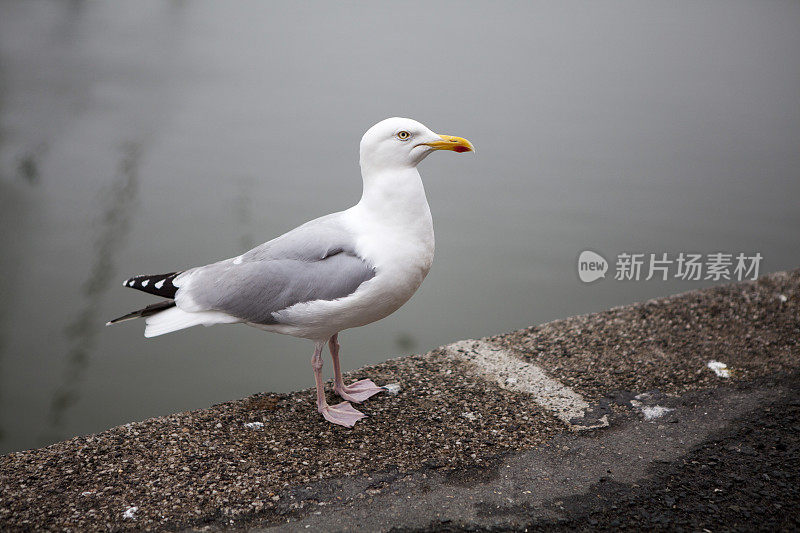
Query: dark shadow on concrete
{"type": "Point", "coordinates": [743, 478]}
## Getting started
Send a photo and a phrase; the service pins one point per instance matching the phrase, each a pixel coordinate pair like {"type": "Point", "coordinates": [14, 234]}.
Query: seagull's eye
{"type": "Point", "coordinates": [403, 135]}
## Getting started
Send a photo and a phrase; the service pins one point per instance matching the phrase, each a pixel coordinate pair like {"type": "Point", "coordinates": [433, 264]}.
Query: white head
{"type": "Point", "coordinates": [399, 143]}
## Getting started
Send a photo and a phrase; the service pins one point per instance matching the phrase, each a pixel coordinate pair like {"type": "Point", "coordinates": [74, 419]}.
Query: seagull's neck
{"type": "Point", "coordinates": [396, 197]}
{"type": "Point", "coordinates": [394, 223]}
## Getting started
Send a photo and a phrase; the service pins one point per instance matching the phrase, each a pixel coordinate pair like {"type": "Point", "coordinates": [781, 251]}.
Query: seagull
{"type": "Point", "coordinates": [336, 272]}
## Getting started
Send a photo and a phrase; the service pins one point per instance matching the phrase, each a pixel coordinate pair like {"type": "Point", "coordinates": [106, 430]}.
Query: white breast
{"type": "Point", "coordinates": [401, 253]}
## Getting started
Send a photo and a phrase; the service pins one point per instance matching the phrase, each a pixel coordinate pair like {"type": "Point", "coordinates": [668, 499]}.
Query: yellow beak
{"type": "Point", "coordinates": [449, 142]}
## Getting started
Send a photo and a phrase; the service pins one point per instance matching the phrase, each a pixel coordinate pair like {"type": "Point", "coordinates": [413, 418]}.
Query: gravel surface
{"type": "Point", "coordinates": [241, 463]}
{"type": "Point", "coordinates": [666, 343]}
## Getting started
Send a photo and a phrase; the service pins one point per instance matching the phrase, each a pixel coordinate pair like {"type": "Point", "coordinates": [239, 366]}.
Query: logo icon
{"type": "Point", "coordinates": [591, 266]}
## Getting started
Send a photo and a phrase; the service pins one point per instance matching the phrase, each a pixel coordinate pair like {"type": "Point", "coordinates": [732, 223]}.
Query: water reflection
{"type": "Point", "coordinates": [14, 217]}
{"type": "Point", "coordinates": [28, 164]}
{"type": "Point", "coordinates": [4, 285]}
{"type": "Point", "coordinates": [405, 342]}
{"type": "Point", "coordinates": [14, 211]}
{"type": "Point", "coordinates": [113, 226]}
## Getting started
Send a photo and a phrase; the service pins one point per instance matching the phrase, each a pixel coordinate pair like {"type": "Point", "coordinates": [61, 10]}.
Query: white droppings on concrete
{"type": "Point", "coordinates": [392, 388]}
{"type": "Point", "coordinates": [655, 411]}
{"type": "Point", "coordinates": [720, 369]}
{"type": "Point", "coordinates": [130, 512]}
{"type": "Point", "coordinates": [512, 373]}
{"type": "Point", "coordinates": [254, 425]}
{"type": "Point", "coordinates": [651, 412]}
{"type": "Point", "coordinates": [159, 284]}
{"type": "Point", "coordinates": [469, 415]}
{"type": "Point", "coordinates": [87, 493]}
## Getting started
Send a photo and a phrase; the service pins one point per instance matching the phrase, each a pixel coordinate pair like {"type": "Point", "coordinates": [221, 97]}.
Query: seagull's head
{"type": "Point", "coordinates": [397, 143]}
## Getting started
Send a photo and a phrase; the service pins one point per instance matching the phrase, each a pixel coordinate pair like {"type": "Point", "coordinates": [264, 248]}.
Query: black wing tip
{"type": "Point", "coordinates": [123, 318]}
{"type": "Point", "coordinates": [157, 284]}
{"type": "Point", "coordinates": [144, 312]}
{"type": "Point", "coordinates": [129, 316]}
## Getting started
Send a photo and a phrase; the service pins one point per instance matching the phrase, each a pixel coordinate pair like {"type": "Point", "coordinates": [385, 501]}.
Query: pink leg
{"type": "Point", "coordinates": [358, 391]}
{"type": "Point", "coordinates": [343, 414]}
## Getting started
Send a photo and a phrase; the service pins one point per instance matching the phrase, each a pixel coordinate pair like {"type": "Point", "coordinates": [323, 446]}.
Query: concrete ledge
{"type": "Point", "coordinates": [458, 409]}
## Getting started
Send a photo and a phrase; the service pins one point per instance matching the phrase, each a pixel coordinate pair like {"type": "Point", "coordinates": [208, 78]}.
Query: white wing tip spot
{"type": "Point", "coordinates": [159, 284]}
{"type": "Point", "coordinates": [145, 282]}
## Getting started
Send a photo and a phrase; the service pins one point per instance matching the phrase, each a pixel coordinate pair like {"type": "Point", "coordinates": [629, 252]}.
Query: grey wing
{"type": "Point", "coordinates": [316, 261]}
{"type": "Point", "coordinates": [314, 240]}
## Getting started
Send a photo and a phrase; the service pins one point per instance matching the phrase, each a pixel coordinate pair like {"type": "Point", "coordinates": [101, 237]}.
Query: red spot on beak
{"type": "Point", "coordinates": [460, 149]}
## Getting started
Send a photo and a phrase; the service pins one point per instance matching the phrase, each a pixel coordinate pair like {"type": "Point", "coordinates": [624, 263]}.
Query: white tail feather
{"type": "Point", "coordinates": [175, 318]}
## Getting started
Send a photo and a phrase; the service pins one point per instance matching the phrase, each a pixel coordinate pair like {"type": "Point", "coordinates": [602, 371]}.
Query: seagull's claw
{"type": "Point", "coordinates": [343, 414]}
{"type": "Point", "coordinates": [359, 391]}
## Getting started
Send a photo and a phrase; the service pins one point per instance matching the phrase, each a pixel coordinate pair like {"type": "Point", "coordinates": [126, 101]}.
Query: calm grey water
{"type": "Point", "coordinates": [144, 137]}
